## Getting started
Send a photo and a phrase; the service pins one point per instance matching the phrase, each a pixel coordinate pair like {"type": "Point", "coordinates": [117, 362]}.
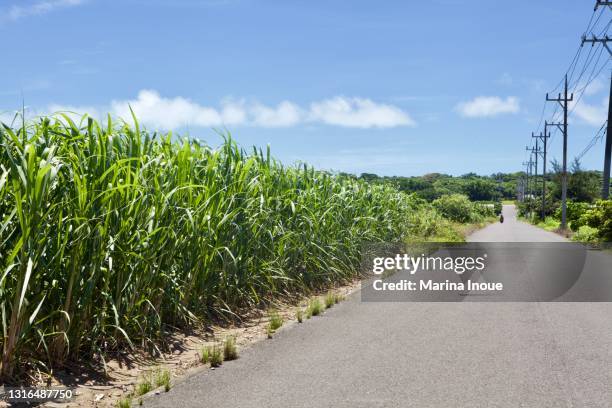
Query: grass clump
{"type": "Point", "coordinates": [276, 321]}
{"type": "Point", "coordinates": [330, 300]}
{"type": "Point", "coordinates": [299, 315]}
{"type": "Point", "coordinates": [213, 355]}
{"type": "Point", "coordinates": [144, 386]}
{"type": "Point", "coordinates": [216, 356]}
{"type": "Point", "coordinates": [162, 378]}
{"type": "Point", "coordinates": [205, 355]}
{"type": "Point", "coordinates": [315, 308]}
{"type": "Point", "coordinates": [230, 351]}
{"type": "Point", "coordinates": [124, 402]}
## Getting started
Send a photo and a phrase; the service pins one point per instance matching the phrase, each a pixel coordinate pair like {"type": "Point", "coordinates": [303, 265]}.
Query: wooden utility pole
{"type": "Point", "coordinates": [605, 189]}
{"type": "Point", "coordinates": [563, 101]}
{"type": "Point", "coordinates": [543, 138]}
{"type": "Point", "coordinates": [535, 151]}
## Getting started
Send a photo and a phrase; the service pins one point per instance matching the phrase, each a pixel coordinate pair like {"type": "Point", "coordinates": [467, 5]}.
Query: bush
{"type": "Point", "coordinates": [600, 218]}
{"type": "Point", "coordinates": [586, 234]}
{"type": "Point", "coordinates": [549, 224]}
{"type": "Point", "coordinates": [427, 224]}
{"type": "Point", "coordinates": [456, 207]}
{"type": "Point", "coordinates": [484, 209]}
{"type": "Point", "coordinates": [574, 212]}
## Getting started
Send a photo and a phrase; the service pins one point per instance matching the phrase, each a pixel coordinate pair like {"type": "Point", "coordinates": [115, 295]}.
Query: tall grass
{"type": "Point", "coordinates": [109, 234]}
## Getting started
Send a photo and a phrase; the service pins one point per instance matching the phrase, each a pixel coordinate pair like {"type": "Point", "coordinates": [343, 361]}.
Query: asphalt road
{"type": "Point", "coordinates": [406, 354]}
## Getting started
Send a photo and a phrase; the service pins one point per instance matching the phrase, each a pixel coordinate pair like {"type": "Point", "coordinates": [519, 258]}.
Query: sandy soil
{"type": "Point", "coordinates": [93, 390]}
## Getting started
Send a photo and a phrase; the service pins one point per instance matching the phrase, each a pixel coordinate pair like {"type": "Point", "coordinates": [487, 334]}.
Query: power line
{"type": "Point", "coordinates": [598, 137]}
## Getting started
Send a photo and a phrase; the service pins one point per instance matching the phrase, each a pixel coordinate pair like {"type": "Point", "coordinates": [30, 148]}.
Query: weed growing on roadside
{"type": "Point", "coordinates": [276, 321]}
{"type": "Point", "coordinates": [299, 315]}
{"type": "Point", "coordinates": [204, 355]}
{"type": "Point", "coordinates": [162, 378]}
{"type": "Point", "coordinates": [124, 402]}
{"type": "Point", "coordinates": [144, 386]}
{"type": "Point", "coordinates": [330, 300]}
{"type": "Point", "coordinates": [230, 352]}
{"type": "Point", "coordinates": [216, 356]}
{"type": "Point", "coordinates": [315, 307]}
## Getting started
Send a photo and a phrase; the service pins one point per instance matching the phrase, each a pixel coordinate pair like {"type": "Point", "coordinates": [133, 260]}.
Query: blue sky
{"type": "Point", "coordinates": [389, 87]}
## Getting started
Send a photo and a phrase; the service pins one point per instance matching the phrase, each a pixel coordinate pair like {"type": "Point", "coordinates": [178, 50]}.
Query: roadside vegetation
{"type": "Point", "coordinates": [589, 218]}
{"type": "Point", "coordinates": [111, 236]}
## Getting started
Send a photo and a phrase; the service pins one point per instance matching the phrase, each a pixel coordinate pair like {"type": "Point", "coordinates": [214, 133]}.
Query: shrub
{"type": "Point", "coordinates": [427, 224]}
{"type": "Point", "coordinates": [456, 207]}
{"type": "Point", "coordinates": [575, 210]}
{"type": "Point", "coordinates": [586, 234]}
{"type": "Point", "coordinates": [484, 210]}
{"type": "Point", "coordinates": [600, 218]}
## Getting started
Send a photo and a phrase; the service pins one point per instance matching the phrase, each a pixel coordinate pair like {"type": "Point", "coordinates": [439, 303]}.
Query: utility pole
{"type": "Point", "coordinates": [527, 174]}
{"type": "Point", "coordinates": [543, 138]}
{"type": "Point", "coordinates": [563, 100]}
{"type": "Point", "coordinates": [605, 188]}
{"type": "Point", "coordinates": [534, 152]}
{"type": "Point", "coordinates": [602, 3]}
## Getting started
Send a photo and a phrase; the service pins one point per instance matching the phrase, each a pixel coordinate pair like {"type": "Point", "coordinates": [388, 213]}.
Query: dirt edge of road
{"type": "Point", "coordinates": [124, 375]}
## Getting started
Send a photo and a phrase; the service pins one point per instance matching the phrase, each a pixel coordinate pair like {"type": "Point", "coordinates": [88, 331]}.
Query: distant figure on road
{"type": "Point", "coordinates": [501, 218]}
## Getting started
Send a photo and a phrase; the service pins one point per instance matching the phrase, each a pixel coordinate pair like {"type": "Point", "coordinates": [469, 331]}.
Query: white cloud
{"type": "Point", "coordinates": [15, 12]}
{"type": "Point", "coordinates": [358, 112]}
{"type": "Point", "coordinates": [158, 111]}
{"type": "Point", "coordinates": [593, 115]}
{"type": "Point", "coordinates": [168, 113]}
{"type": "Point", "coordinates": [284, 114]}
{"type": "Point", "coordinates": [486, 106]}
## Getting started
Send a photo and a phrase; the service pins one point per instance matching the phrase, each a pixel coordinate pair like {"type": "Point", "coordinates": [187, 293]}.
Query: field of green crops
{"type": "Point", "coordinates": [110, 235]}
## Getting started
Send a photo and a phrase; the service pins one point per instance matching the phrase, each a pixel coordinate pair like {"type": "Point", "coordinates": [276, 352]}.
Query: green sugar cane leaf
{"type": "Point", "coordinates": [125, 335]}
{"type": "Point", "coordinates": [33, 315]}
{"type": "Point", "coordinates": [26, 281]}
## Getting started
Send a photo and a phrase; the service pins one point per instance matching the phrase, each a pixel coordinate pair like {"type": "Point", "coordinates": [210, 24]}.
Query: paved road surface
{"type": "Point", "coordinates": [361, 354]}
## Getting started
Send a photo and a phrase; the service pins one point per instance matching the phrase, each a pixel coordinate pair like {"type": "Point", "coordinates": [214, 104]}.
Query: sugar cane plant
{"type": "Point", "coordinates": [110, 234]}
